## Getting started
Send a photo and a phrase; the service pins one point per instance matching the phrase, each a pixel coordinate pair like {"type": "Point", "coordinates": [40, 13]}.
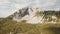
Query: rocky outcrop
{"type": "Point", "coordinates": [36, 15]}
{"type": "Point", "coordinates": [29, 14]}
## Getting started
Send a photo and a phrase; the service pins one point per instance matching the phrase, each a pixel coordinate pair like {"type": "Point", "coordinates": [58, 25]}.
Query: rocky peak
{"type": "Point", "coordinates": [26, 13]}
{"type": "Point", "coordinates": [35, 15]}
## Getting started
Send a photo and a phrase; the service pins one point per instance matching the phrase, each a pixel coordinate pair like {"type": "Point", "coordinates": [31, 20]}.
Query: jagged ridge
{"type": "Point", "coordinates": [35, 15]}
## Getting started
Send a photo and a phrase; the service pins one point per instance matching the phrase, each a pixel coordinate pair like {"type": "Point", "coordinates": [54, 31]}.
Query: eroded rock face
{"type": "Point", "coordinates": [28, 14]}
{"type": "Point", "coordinates": [20, 14]}
{"type": "Point", "coordinates": [35, 15]}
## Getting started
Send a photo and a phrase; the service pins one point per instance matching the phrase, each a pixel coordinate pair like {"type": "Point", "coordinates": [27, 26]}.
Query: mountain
{"type": "Point", "coordinates": [29, 14]}
{"type": "Point", "coordinates": [26, 21]}
{"type": "Point", "coordinates": [36, 15]}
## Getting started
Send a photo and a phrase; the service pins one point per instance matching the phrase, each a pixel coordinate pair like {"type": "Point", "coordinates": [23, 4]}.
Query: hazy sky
{"type": "Point", "coordinates": [8, 7]}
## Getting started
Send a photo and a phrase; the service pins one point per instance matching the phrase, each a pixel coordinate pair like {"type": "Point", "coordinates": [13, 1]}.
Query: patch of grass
{"type": "Point", "coordinates": [8, 25]}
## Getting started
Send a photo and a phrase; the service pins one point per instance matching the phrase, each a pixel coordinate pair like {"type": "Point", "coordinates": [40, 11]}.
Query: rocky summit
{"type": "Point", "coordinates": [36, 15]}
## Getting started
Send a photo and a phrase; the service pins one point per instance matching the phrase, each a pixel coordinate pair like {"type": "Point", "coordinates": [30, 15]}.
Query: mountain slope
{"type": "Point", "coordinates": [36, 15]}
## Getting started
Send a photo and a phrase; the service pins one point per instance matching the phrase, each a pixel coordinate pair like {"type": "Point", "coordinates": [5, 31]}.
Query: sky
{"type": "Point", "coordinates": [8, 7]}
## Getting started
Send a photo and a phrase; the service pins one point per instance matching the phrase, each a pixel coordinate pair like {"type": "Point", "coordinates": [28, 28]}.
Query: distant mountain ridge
{"type": "Point", "coordinates": [34, 15]}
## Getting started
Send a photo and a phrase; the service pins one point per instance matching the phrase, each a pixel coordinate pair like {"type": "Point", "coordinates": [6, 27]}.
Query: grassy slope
{"type": "Point", "coordinates": [8, 25]}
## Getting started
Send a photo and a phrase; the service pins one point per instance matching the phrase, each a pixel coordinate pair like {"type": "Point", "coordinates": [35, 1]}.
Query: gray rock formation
{"type": "Point", "coordinates": [36, 15]}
